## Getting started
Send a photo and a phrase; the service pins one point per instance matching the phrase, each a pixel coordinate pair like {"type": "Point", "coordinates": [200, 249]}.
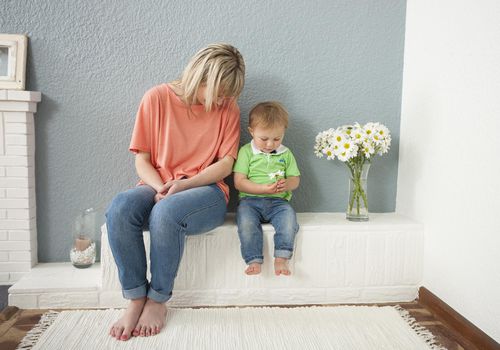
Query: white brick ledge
{"type": "Point", "coordinates": [336, 261]}
{"type": "Point", "coordinates": [18, 245]}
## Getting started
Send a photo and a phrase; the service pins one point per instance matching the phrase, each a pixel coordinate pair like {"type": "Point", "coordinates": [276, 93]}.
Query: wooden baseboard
{"type": "Point", "coordinates": [456, 321]}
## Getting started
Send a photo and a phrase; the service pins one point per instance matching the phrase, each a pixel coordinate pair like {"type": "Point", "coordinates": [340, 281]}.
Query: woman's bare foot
{"type": "Point", "coordinates": [281, 267]}
{"type": "Point", "coordinates": [122, 329]}
{"type": "Point", "coordinates": [253, 269]}
{"type": "Point", "coordinates": [152, 319]}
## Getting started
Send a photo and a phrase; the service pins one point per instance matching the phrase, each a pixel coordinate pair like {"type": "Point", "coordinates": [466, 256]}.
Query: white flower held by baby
{"type": "Point", "coordinates": [277, 175]}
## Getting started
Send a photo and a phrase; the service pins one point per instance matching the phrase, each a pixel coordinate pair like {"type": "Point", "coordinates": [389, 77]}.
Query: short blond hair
{"type": "Point", "coordinates": [268, 114]}
{"type": "Point", "coordinates": [220, 67]}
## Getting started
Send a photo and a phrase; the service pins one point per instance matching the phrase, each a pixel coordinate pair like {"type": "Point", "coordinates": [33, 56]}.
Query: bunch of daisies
{"type": "Point", "coordinates": [350, 141]}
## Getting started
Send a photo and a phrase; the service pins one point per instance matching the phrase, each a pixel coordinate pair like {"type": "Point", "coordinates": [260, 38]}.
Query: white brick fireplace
{"type": "Point", "coordinates": [18, 237]}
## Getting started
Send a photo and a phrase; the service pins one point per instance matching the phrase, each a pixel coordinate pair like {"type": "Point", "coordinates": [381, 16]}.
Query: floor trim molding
{"type": "Point", "coordinates": [456, 321]}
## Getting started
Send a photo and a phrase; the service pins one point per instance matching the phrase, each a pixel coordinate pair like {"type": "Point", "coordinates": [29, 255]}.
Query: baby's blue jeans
{"type": "Point", "coordinates": [251, 213]}
{"type": "Point", "coordinates": [189, 212]}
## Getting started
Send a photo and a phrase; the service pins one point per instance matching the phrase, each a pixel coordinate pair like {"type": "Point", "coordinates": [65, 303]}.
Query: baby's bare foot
{"type": "Point", "coordinates": [253, 269]}
{"type": "Point", "coordinates": [122, 329]}
{"type": "Point", "coordinates": [152, 319]}
{"type": "Point", "coordinates": [281, 267]}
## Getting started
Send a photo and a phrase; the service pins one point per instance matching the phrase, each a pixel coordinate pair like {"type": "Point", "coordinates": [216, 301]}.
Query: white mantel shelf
{"type": "Point", "coordinates": [335, 262]}
{"type": "Point", "coordinates": [20, 95]}
{"type": "Point", "coordinates": [19, 101]}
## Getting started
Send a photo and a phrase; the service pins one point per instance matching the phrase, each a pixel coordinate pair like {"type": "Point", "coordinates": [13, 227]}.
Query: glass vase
{"type": "Point", "coordinates": [357, 207]}
{"type": "Point", "coordinates": [83, 252]}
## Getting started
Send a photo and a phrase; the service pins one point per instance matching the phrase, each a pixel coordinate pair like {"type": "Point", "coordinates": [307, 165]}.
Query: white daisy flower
{"type": "Point", "coordinates": [383, 131]}
{"type": "Point", "coordinates": [370, 129]}
{"type": "Point", "coordinates": [343, 156]}
{"type": "Point", "coordinates": [329, 153]}
{"type": "Point", "coordinates": [276, 175]}
{"type": "Point", "coordinates": [338, 137]}
{"type": "Point", "coordinates": [358, 134]}
{"type": "Point", "coordinates": [348, 147]}
{"type": "Point", "coordinates": [384, 148]}
{"type": "Point", "coordinates": [368, 149]}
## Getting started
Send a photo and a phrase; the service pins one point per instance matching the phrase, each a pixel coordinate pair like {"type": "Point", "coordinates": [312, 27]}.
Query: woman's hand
{"type": "Point", "coordinates": [161, 191]}
{"type": "Point", "coordinates": [175, 186]}
{"type": "Point", "coordinates": [159, 197]}
{"type": "Point", "coordinates": [170, 188]}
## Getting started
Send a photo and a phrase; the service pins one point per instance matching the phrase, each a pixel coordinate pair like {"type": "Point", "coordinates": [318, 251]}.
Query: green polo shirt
{"type": "Point", "coordinates": [266, 168]}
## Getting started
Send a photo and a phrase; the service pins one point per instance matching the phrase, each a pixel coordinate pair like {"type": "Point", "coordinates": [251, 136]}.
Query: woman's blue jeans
{"type": "Point", "coordinates": [251, 213]}
{"type": "Point", "coordinates": [190, 212]}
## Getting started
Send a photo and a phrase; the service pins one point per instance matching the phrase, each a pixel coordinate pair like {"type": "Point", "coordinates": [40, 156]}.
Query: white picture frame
{"type": "Point", "coordinates": [13, 48]}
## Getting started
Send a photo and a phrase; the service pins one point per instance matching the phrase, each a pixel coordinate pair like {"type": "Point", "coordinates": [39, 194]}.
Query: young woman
{"type": "Point", "coordinates": [185, 141]}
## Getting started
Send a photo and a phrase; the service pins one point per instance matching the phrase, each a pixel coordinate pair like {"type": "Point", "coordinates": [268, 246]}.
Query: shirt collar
{"type": "Point", "coordinates": [281, 149]}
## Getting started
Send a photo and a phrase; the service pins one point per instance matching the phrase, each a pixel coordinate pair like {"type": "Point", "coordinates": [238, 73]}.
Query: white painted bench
{"type": "Point", "coordinates": [335, 261]}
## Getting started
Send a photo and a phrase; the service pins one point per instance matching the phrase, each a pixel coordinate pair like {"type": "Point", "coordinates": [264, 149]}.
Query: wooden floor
{"type": "Point", "coordinates": [445, 335]}
{"type": "Point", "coordinates": [14, 323]}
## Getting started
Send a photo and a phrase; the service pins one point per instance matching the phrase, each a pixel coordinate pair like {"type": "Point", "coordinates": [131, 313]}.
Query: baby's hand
{"type": "Point", "coordinates": [270, 188]}
{"type": "Point", "coordinates": [281, 185]}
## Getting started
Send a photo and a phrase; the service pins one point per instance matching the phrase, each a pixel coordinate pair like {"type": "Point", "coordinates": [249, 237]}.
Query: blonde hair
{"type": "Point", "coordinates": [268, 114]}
{"type": "Point", "coordinates": [220, 67]}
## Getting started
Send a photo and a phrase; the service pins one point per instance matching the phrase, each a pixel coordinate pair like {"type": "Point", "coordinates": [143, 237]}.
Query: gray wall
{"type": "Point", "coordinates": [330, 62]}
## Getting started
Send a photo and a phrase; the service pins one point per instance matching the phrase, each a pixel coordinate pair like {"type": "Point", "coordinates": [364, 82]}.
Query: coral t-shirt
{"type": "Point", "coordinates": [183, 140]}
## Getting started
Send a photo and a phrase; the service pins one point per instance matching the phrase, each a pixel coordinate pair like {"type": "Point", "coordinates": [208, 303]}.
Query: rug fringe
{"type": "Point", "coordinates": [31, 338]}
{"type": "Point", "coordinates": [421, 331]}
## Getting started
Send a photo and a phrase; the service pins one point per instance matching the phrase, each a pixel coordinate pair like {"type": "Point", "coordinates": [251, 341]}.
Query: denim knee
{"type": "Point", "coordinates": [285, 223]}
{"type": "Point", "coordinates": [117, 206]}
{"type": "Point", "coordinates": [164, 214]}
{"type": "Point", "coordinates": [131, 206]}
{"type": "Point", "coordinates": [247, 226]}
{"type": "Point", "coordinates": [288, 228]}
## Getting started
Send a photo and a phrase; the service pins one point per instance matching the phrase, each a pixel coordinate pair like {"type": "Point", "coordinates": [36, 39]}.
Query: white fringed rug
{"type": "Point", "coordinates": [304, 328]}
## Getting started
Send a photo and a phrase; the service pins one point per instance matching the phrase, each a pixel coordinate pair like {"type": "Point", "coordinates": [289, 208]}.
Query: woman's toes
{"type": "Point", "coordinates": [126, 334]}
{"type": "Point", "coordinates": [118, 332]}
{"type": "Point", "coordinates": [136, 331]}
{"type": "Point", "coordinates": [148, 331]}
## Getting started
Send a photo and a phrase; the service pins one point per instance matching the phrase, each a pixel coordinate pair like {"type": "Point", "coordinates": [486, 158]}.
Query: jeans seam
{"type": "Point", "coordinates": [180, 252]}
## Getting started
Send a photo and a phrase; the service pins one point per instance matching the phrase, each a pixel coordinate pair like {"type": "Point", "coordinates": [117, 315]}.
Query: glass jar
{"type": "Point", "coordinates": [357, 207]}
{"type": "Point", "coordinates": [83, 252]}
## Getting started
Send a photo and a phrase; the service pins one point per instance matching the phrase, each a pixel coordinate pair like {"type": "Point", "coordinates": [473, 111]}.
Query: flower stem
{"type": "Point", "coordinates": [358, 194]}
